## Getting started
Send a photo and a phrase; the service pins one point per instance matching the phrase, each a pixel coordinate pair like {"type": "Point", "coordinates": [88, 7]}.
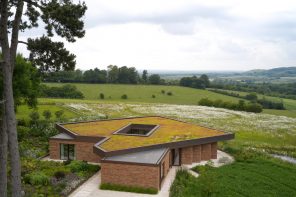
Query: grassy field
{"type": "Point", "coordinates": [23, 111]}
{"type": "Point", "coordinates": [143, 93]}
{"type": "Point", "coordinates": [248, 177]}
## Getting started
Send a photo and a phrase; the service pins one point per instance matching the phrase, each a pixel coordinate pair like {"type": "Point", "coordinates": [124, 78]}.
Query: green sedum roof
{"type": "Point", "coordinates": [169, 130]}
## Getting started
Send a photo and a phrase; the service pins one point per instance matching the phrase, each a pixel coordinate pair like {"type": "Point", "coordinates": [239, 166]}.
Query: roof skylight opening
{"type": "Point", "coordinates": [137, 130]}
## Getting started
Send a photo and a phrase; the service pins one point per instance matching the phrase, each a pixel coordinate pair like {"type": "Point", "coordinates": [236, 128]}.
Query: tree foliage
{"type": "Point", "coordinates": [201, 82]}
{"type": "Point", "coordinates": [26, 82]}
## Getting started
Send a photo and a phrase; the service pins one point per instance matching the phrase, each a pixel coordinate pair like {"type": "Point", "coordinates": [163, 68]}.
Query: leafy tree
{"type": "Point", "coordinates": [201, 83]}
{"type": "Point", "coordinates": [47, 114]}
{"type": "Point", "coordinates": [145, 76]}
{"type": "Point", "coordinates": [95, 76]}
{"type": "Point", "coordinates": [113, 74]}
{"type": "Point", "coordinates": [205, 80]}
{"type": "Point", "coordinates": [154, 79]}
{"type": "Point", "coordinates": [64, 18]}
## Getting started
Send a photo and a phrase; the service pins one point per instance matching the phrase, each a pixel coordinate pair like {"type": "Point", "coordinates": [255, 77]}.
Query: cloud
{"type": "Point", "coordinates": [187, 34]}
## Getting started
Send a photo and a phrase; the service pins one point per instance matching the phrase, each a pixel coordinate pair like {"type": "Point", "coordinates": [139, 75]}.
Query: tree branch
{"type": "Point", "coordinates": [15, 31]}
{"type": "Point", "coordinates": [22, 42]}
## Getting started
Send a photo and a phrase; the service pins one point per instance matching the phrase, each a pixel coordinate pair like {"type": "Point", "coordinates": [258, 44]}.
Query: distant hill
{"type": "Point", "coordinates": [275, 72]}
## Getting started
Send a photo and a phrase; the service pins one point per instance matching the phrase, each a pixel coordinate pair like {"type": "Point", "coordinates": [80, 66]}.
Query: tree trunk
{"type": "Point", "coordinates": [12, 132]}
{"type": "Point", "coordinates": [3, 156]}
{"type": "Point", "coordinates": [8, 65]}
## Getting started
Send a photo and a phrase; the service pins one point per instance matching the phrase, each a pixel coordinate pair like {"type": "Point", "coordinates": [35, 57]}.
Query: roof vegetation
{"type": "Point", "coordinates": [169, 131]}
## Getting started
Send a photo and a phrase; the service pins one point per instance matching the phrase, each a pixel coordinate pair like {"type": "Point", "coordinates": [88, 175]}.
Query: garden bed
{"type": "Point", "coordinates": [49, 178]}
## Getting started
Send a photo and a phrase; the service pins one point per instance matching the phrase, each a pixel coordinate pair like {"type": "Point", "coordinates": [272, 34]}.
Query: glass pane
{"type": "Point", "coordinates": [64, 151]}
{"type": "Point", "coordinates": [72, 151]}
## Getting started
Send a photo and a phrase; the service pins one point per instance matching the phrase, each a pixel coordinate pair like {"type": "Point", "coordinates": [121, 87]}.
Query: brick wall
{"type": "Point", "coordinates": [130, 175]}
{"type": "Point", "coordinates": [166, 161]}
{"type": "Point", "coordinates": [206, 152]}
{"type": "Point", "coordinates": [196, 154]}
{"type": "Point", "coordinates": [187, 155]}
{"type": "Point", "coordinates": [214, 150]}
{"type": "Point", "coordinates": [140, 175]}
{"type": "Point", "coordinates": [83, 150]}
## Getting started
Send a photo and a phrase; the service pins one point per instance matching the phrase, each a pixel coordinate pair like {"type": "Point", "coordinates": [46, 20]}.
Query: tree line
{"type": "Point", "coordinates": [283, 90]}
{"type": "Point", "coordinates": [113, 74]}
{"type": "Point", "coordinates": [241, 105]}
{"type": "Point", "coordinates": [266, 104]}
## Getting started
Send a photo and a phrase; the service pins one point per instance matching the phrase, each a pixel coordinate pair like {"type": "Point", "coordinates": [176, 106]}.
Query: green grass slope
{"type": "Point", "coordinates": [143, 93]}
{"type": "Point", "coordinates": [251, 177]}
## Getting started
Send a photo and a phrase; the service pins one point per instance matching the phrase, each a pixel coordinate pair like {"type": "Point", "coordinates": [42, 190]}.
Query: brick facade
{"type": "Point", "coordinates": [206, 152]}
{"type": "Point", "coordinates": [198, 153]}
{"type": "Point", "coordinates": [187, 155]}
{"type": "Point", "coordinates": [139, 175]}
{"type": "Point", "coordinates": [214, 150]}
{"type": "Point", "coordinates": [83, 150]}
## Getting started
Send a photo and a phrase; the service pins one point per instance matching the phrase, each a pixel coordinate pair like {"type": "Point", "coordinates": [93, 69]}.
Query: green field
{"type": "Point", "coordinates": [143, 93]}
{"type": "Point", "coordinates": [248, 177]}
{"type": "Point", "coordinates": [23, 111]}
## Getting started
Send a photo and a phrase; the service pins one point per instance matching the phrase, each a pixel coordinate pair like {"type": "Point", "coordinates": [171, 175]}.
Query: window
{"type": "Point", "coordinates": [67, 151]}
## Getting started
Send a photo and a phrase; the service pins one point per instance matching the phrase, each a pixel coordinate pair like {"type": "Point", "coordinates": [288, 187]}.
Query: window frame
{"type": "Point", "coordinates": [68, 155]}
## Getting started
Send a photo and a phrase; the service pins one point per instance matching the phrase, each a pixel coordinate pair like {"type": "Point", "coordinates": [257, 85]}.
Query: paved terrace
{"type": "Point", "coordinates": [168, 130]}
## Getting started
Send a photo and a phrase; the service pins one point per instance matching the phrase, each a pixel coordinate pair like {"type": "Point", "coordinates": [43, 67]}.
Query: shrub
{"type": "Point", "coordinates": [115, 187]}
{"type": "Point", "coordinates": [102, 96]}
{"type": "Point", "coordinates": [34, 117]}
{"type": "Point", "coordinates": [59, 114]}
{"type": "Point", "coordinates": [169, 93]}
{"type": "Point", "coordinates": [36, 178]}
{"type": "Point", "coordinates": [153, 96]}
{"type": "Point", "coordinates": [77, 166]}
{"type": "Point", "coordinates": [254, 107]}
{"type": "Point", "coordinates": [59, 175]}
{"type": "Point", "coordinates": [46, 114]}
{"type": "Point", "coordinates": [162, 91]}
{"type": "Point", "coordinates": [23, 132]}
{"type": "Point", "coordinates": [205, 102]}
{"type": "Point", "coordinates": [65, 91]}
{"type": "Point", "coordinates": [124, 96]}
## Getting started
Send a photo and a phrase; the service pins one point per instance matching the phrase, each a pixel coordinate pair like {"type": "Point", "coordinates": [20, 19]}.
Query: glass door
{"type": "Point", "coordinates": [67, 151]}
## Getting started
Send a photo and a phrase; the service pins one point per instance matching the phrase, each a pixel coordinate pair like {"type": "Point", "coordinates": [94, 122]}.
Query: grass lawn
{"type": "Point", "coordinates": [23, 111]}
{"type": "Point", "coordinates": [250, 177]}
{"type": "Point", "coordinates": [143, 93]}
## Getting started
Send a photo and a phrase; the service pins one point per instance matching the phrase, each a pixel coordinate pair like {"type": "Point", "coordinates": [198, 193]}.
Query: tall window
{"type": "Point", "coordinates": [67, 151]}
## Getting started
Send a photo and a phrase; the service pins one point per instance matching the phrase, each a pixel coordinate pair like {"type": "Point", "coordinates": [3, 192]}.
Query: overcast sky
{"type": "Point", "coordinates": [187, 35]}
